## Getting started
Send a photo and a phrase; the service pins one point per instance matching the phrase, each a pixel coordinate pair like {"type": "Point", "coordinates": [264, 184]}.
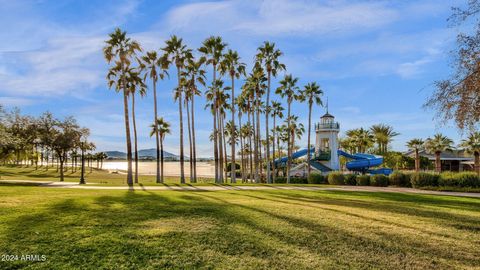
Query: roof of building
{"type": "Point", "coordinates": [327, 115]}
{"type": "Point", "coordinates": [460, 155]}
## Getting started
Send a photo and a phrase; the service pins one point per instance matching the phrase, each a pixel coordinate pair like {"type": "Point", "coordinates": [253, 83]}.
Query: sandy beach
{"type": "Point", "coordinates": [204, 169]}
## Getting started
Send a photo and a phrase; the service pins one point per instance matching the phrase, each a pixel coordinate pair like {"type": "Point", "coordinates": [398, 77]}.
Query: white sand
{"type": "Point", "coordinates": [204, 169]}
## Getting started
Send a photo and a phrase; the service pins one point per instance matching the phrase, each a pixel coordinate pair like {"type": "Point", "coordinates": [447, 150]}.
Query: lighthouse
{"type": "Point", "coordinates": [326, 143]}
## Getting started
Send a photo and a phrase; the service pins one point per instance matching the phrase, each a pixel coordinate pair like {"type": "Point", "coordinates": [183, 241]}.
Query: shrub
{"type": "Point", "coordinates": [350, 179]}
{"type": "Point", "coordinates": [316, 178]}
{"type": "Point", "coordinates": [281, 180]}
{"type": "Point", "coordinates": [363, 180]}
{"type": "Point", "coordinates": [229, 166]}
{"type": "Point", "coordinates": [336, 178]}
{"type": "Point", "coordinates": [399, 179]}
{"type": "Point", "coordinates": [423, 179]}
{"type": "Point", "coordinates": [464, 179]}
{"type": "Point", "coordinates": [298, 180]}
{"type": "Point", "coordinates": [379, 180]}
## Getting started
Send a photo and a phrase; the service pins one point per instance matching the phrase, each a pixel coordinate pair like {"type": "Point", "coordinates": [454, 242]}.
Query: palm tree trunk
{"type": "Point", "coordinates": [193, 138]}
{"type": "Point", "coordinates": [258, 146]}
{"type": "Point", "coordinates": [225, 151]}
{"type": "Point", "coordinates": [242, 156]}
{"type": "Point", "coordinates": [162, 176]}
{"type": "Point", "coordinates": [234, 174]}
{"type": "Point", "coordinates": [250, 152]}
{"type": "Point", "coordinates": [129, 140]}
{"type": "Point", "coordinates": [189, 139]}
{"type": "Point", "coordinates": [273, 151]}
{"type": "Point", "coordinates": [61, 168]}
{"type": "Point", "coordinates": [267, 112]}
{"type": "Point", "coordinates": [220, 146]}
{"type": "Point", "coordinates": [417, 160]}
{"type": "Point", "coordinates": [438, 163]}
{"type": "Point", "coordinates": [180, 112]}
{"type": "Point", "coordinates": [157, 139]}
{"type": "Point", "coordinates": [216, 149]}
{"type": "Point", "coordinates": [289, 150]}
{"type": "Point", "coordinates": [308, 140]}
{"type": "Point", "coordinates": [476, 154]}
{"type": "Point", "coordinates": [135, 137]}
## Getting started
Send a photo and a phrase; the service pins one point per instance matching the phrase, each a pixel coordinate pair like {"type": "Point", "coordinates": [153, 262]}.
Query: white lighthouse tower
{"type": "Point", "coordinates": [326, 144]}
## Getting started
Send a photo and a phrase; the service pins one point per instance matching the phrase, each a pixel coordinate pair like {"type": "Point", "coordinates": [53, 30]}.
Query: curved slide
{"type": "Point", "coordinates": [363, 162]}
{"type": "Point", "coordinates": [301, 153]}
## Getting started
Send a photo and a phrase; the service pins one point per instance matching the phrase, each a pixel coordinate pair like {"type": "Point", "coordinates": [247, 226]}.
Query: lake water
{"type": "Point", "coordinates": [204, 169]}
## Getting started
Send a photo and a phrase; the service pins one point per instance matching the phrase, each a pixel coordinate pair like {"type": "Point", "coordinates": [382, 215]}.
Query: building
{"type": "Point", "coordinates": [456, 160]}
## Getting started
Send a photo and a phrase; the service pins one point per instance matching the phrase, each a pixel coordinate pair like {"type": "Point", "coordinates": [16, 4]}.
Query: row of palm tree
{"type": "Point", "coordinates": [129, 72]}
{"type": "Point", "coordinates": [440, 143]}
{"type": "Point", "coordinates": [362, 140]}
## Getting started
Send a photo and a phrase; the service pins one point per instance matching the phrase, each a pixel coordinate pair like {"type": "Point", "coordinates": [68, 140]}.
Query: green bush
{"type": "Point", "coordinates": [298, 180]}
{"type": "Point", "coordinates": [464, 179]}
{"type": "Point", "coordinates": [399, 179]}
{"type": "Point", "coordinates": [379, 180]}
{"type": "Point", "coordinates": [422, 179]}
{"type": "Point", "coordinates": [363, 180]}
{"type": "Point", "coordinates": [316, 178]}
{"type": "Point", "coordinates": [350, 179]}
{"type": "Point", "coordinates": [336, 178]}
{"type": "Point", "coordinates": [281, 180]}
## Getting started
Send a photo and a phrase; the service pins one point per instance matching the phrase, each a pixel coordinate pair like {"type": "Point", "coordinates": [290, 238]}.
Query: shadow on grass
{"type": "Point", "coordinates": [210, 230]}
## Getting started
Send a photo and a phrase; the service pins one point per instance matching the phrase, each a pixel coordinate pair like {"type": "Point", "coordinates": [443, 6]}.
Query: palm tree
{"type": "Point", "coordinates": [119, 51]}
{"type": "Point", "coordinates": [277, 111]}
{"type": "Point", "coordinates": [241, 103]}
{"type": "Point", "coordinates": [383, 136]}
{"type": "Point", "coordinates": [361, 138]}
{"type": "Point", "coordinates": [232, 66]}
{"type": "Point", "coordinates": [212, 50]}
{"type": "Point", "coordinates": [289, 89]}
{"type": "Point", "coordinates": [194, 74]}
{"type": "Point", "coordinates": [296, 130]}
{"type": "Point", "coordinates": [472, 145]}
{"type": "Point", "coordinates": [163, 128]}
{"type": "Point", "coordinates": [135, 84]}
{"type": "Point", "coordinates": [438, 144]}
{"type": "Point", "coordinates": [311, 93]}
{"type": "Point", "coordinates": [155, 68]}
{"type": "Point", "coordinates": [268, 56]}
{"type": "Point", "coordinates": [176, 52]}
{"type": "Point", "coordinates": [416, 145]}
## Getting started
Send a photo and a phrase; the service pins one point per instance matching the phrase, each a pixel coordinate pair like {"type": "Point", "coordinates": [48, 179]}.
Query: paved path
{"type": "Point", "coordinates": [75, 185]}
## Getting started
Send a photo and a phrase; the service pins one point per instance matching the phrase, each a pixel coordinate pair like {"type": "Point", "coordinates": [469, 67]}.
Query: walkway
{"type": "Point", "coordinates": [75, 185]}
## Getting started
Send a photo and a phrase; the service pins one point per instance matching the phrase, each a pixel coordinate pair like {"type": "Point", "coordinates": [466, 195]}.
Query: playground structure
{"type": "Point", "coordinates": [325, 154]}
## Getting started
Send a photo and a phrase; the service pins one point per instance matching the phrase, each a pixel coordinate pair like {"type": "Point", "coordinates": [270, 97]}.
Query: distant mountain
{"type": "Point", "coordinates": [144, 153]}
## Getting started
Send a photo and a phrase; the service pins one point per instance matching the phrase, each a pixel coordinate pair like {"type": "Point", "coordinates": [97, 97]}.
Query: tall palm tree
{"type": "Point", "coordinates": [277, 111]}
{"type": "Point", "coordinates": [161, 127]}
{"type": "Point", "coordinates": [312, 94]}
{"type": "Point", "coordinates": [194, 74]}
{"type": "Point", "coordinates": [267, 56]}
{"type": "Point", "coordinates": [118, 51]}
{"type": "Point", "coordinates": [232, 66]}
{"type": "Point", "coordinates": [289, 89]}
{"type": "Point", "coordinates": [295, 129]}
{"type": "Point", "coordinates": [135, 84]}
{"type": "Point", "coordinates": [383, 136]}
{"type": "Point", "coordinates": [176, 52]}
{"type": "Point", "coordinates": [155, 68]}
{"type": "Point", "coordinates": [212, 50]}
{"type": "Point", "coordinates": [416, 145]}
{"type": "Point", "coordinates": [241, 103]}
{"type": "Point", "coordinates": [472, 145]}
{"type": "Point", "coordinates": [438, 144]}
{"type": "Point", "coordinates": [362, 139]}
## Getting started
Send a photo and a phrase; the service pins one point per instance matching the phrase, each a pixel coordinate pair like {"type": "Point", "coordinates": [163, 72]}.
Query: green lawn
{"type": "Point", "coordinates": [280, 229]}
{"type": "Point", "coordinates": [96, 176]}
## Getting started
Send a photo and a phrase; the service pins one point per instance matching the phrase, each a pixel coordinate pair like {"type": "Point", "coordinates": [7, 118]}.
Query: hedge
{"type": "Point", "coordinates": [399, 179]}
{"type": "Point", "coordinates": [336, 178]}
{"type": "Point", "coordinates": [350, 179]}
{"type": "Point", "coordinates": [363, 180]}
{"type": "Point", "coordinates": [317, 178]}
{"type": "Point", "coordinates": [464, 179]}
{"type": "Point", "coordinates": [422, 179]}
{"type": "Point", "coordinates": [379, 180]}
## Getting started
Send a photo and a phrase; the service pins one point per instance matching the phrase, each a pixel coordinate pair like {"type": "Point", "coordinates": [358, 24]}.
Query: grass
{"type": "Point", "coordinates": [280, 229]}
{"type": "Point", "coordinates": [96, 176]}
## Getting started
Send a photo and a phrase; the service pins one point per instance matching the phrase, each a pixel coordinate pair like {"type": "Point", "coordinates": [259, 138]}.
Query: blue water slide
{"type": "Point", "coordinates": [295, 155]}
{"type": "Point", "coordinates": [361, 162]}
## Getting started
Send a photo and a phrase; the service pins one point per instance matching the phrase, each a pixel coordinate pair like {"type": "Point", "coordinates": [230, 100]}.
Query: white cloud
{"type": "Point", "coordinates": [281, 17]}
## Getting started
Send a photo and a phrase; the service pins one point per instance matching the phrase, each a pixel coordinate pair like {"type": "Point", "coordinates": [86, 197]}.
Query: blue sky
{"type": "Point", "coordinates": [375, 60]}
